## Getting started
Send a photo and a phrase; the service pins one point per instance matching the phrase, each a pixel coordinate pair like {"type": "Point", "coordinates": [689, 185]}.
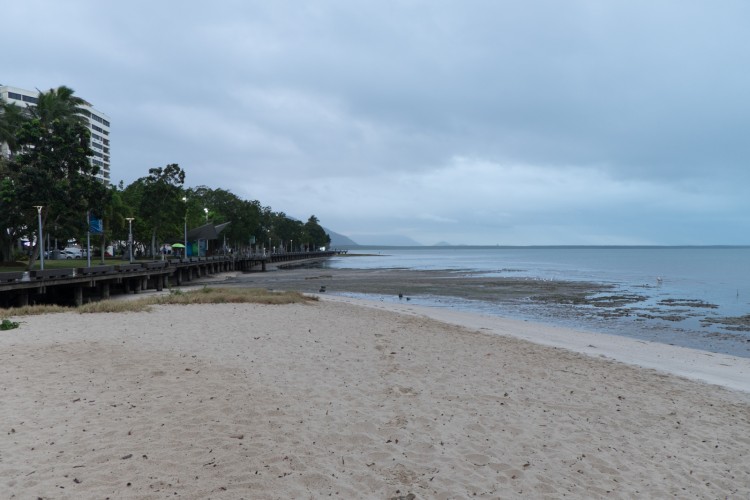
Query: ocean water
{"type": "Point", "coordinates": [706, 283]}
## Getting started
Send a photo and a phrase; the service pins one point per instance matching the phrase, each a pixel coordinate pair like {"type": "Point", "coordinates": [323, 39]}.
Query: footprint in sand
{"type": "Point", "coordinates": [478, 459]}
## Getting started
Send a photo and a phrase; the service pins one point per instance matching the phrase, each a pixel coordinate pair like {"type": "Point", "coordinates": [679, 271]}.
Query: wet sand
{"type": "Point", "coordinates": [582, 305]}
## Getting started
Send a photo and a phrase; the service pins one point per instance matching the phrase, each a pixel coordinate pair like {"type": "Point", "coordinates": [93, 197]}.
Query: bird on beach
{"type": "Point", "coordinates": [400, 295]}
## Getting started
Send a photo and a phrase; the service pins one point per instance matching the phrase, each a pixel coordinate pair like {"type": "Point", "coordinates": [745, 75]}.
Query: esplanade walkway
{"type": "Point", "coordinates": [74, 286]}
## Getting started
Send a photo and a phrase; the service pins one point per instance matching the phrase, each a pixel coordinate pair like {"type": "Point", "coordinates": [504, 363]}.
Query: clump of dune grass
{"type": "Point", "coordinates": [208, 295]}
{"type": "Point", "coordinates": [114, 306]}
{"type": "Point", "coordinates": [205, 295]}
{"type": "Point", "coordinates": [35, 310]}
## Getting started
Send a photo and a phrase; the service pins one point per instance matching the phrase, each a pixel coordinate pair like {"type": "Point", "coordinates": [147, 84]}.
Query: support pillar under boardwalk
{"type": "Point", "coordinates": [78, 296]}
{"type": "Point", "coordinates": [104, 290]}
{"type": "Point", "coordinates": [159, 283]}
{"type": "Point", "coordinates": [22, 299]}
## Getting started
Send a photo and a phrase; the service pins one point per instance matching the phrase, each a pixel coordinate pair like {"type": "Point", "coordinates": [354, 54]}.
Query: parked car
{"type": "Point", "coordinates": [71, 253]}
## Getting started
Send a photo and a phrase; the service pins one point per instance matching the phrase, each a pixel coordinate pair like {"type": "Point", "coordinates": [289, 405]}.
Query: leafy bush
{"type": "Point", "coordinates": [8, 324]}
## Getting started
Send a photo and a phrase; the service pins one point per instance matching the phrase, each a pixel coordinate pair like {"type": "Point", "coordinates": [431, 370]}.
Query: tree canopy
{"type": "Point", "coordinates": [50, 168]}
{"type": "Point", "coordinates": [49, 165]}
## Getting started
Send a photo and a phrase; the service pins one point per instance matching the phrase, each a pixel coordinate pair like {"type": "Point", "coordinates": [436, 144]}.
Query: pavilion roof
{"type": "Point", "coordinates": [208, 231]}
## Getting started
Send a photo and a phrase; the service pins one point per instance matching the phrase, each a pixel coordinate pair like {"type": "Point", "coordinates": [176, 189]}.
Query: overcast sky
{"type": "Point", "coordinates": [466, 121]}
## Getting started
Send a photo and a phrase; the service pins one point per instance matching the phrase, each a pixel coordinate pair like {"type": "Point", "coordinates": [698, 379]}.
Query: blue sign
{"type": "Point", "coordinates": [96, 226]}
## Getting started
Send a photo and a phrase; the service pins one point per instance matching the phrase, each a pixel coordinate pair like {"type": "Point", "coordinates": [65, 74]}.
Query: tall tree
{"type": "Point", "coordinates": [316, 234]}
{"type": "Point", "coordinates": [223, 206]}
{"type": "Point", "coordinates": [12, 219]}
{"type": "Point", "coordinates": [12, 223]}
{"type": "Point", "coordinates": [113, 216]}
{"type": "Point", "coordinates": [53, 171]}
{"type": "Point", "coordinates": [11, 119]}
{"type": "Point", "coordinates": [161, 206]}
{"type": "Point", "coordinates": [290, 232]}
{"type": "Point", "coordinates": [59, 104]}
{"type": "Point", "coordinates": [52, 167]}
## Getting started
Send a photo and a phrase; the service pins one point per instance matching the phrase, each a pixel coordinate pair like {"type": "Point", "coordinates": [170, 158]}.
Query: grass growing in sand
{"type": "Point", "coordinates": [205, 295]}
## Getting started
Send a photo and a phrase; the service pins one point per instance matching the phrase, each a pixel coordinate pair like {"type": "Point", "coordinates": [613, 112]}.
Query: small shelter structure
{"type": "Point", "coordinates": [203, 240]}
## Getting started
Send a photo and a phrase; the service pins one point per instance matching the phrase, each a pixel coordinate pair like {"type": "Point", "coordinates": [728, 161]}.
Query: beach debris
{"type": "Point", "coordinates": [478, 459]}
{"type": "Point", "coordinates": [237, 436]}
{"type": "Point", "coordinates": [410, 496]}
{"type": "Point", "coordinates": [129, 455]}
{"type": "Point", "coordinates": [322, 288]}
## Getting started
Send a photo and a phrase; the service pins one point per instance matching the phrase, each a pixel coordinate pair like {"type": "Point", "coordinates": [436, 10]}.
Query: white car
{"type": "Point", "coordinates": [71, 253]}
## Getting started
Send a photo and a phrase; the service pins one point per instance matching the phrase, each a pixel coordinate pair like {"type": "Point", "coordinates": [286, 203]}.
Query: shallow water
{"type": "Point", "coordinates": [678, 288]}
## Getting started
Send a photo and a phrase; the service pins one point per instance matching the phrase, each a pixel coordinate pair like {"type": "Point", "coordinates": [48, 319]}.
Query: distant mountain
{"type": "Point", "coordinates": [442, 244]}
{"type": "Point", "coordinates": [339, 240]}
{"type": "Point", "coordinates": [387, 240]}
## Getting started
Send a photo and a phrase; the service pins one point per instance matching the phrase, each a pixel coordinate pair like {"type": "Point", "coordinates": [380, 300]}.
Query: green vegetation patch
{"type": "Point", "coordinates": [7, 324]}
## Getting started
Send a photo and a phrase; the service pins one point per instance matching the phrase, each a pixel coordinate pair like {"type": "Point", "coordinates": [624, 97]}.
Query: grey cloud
{"type": "Point", "coordinates": [646, 98]}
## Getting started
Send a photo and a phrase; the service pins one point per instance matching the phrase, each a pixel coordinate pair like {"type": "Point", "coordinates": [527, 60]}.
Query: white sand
{"type": "Point", "coordinates": [303, 401]}
{"type": "Point", "coordinates": [727, 371]}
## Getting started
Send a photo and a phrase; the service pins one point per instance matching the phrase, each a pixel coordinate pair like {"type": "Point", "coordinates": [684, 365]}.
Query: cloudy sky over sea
{"type": "Point", "coordinates": [469, 122]}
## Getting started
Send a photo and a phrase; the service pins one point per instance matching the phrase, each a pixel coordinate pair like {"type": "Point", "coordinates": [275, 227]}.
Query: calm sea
{"type": "Point", "coordinates": [694, 276]}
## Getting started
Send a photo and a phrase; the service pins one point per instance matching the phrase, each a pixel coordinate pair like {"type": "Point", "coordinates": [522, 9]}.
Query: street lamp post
{"type": "Point", "coordinates": [40, 240]}
{"type": "Point", "coordinates": [130, 237]}
{"type": "Point", "coordinates": [184, 198]}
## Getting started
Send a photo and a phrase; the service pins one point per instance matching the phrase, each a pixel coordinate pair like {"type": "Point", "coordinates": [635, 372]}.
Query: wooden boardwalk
{"type": "Point", "coordinates": [74, 286]}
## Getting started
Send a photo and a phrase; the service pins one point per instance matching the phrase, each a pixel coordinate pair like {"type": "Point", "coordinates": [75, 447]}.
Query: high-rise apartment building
{"type": "Point", "coordinates": [97, 122]}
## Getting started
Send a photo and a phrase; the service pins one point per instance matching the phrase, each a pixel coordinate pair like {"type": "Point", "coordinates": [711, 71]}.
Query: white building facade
{"type": "Point", "coordinates": [97, 122]}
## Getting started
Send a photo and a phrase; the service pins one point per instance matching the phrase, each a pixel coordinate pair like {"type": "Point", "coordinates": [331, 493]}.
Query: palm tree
{"type": "Point", "coordinates": [55, 104]}
{"type": "Point", "coordinates": [11, 118]}
{"type": "Point", "coordinates": [59, 104]}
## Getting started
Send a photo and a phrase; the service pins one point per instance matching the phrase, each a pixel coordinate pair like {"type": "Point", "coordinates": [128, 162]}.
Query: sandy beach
{"type": "Point", "coordinates": [351, 400]}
